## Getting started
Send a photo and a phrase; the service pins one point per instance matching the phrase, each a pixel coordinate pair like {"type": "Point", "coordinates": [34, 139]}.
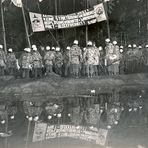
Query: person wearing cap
{"type": "Point", "coordinates": [90, 59]}
{"type": "Point", "coordinates": [25, 63]}
{"type": "Point", "coordinates": [58, 63]}
{"type": "Point", "coordinates": [37, 63]}
{"type": "Point", "coordinates": [66, 61]}
{"type": "Point", "coordinates": [11, 62]}
{"type": "Point", "coordinates": [3, 61]}
{"type": "Point", "coordinates": [48, 60]}
{"type": "Point", "coordinates": [75, 59]}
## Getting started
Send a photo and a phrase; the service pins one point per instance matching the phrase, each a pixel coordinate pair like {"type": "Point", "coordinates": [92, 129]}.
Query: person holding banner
{"type": "Point", "coordinates": [75, 59]}
{"type": "Point", "coordinates": [37, 62]}
{"type": "Point", "coordinates": [48, 60]}
{"type": "Point", "coordinates": [2, 61]}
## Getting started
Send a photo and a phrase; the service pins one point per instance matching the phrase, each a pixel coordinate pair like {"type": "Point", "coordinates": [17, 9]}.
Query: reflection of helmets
{"type": "Point", "coordinates": [107, 40]}
{"type": "Point", "coordinates": [89, 43]}
{"type": "Point", "coordinates": [10, 50]}
{"type": "Point", "coordinates": [115, 42]}
{"type": "Point", "coordinates": [100, 48]}
{"type": "Point", "coordinates": [47, 47]}
{"type": "Point", "coordinates": [1, 46]}
{"type": "Point", "coordinates": [57, 48]}
{"type": "Point", "coordinates": [76, 42]}
{"type": "Point", "coordinates": [121, 47]}
{"type": "Point", "coordinates": [134, 45]}
{"type": "Point", "coordinates": [129, 46]}
{"type": "Point", "coordinates": [146, 46]}
{"type": "Point", "coordinates": [68, 48]}
{"type": "Point", "coordinates": [140, 47]}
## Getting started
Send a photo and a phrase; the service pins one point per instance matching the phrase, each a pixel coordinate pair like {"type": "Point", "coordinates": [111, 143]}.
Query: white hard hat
{"type": "Point", "coordinates": [53, 48]}
{"type": "Point", "coordinates": [27, 49]}
{"type": "Point", "coordinates": [84, 48]}
{"type": "Point", "coordinates": [121, 50]}
{"type": "Point", "coordinates": [140, 47]}
{"type": "Point", "coordinates": [34, 49]}
{"type": "Point", "coordinates": [47, 47]}
{"type": "Point", "coordinates": [107, 40]}
{"type": "Point", "coordinates": [115, 42]}
{"type": "Point", "coordinates": [100, 48]}
{"type": "Point", "coordinates": [146, 46]}
{"type": "Point", "coordinates": [57, 48]}
{"type": "Point", "coordinates": [121, 47]}
{"type": "Point", "coordinates": [129, 46]}
{"type": "Point", "coordinates": [76, 42]}
{"type": "Point", "coordinates": [1, 46]}
{"type": "Point", "coordinates": [68, 48]}
{"type": "Point", "coordinates": [134, 45]}
{"type": "Point", "coordinates": [10, 50]}
{"type": "Point", "coordinates": [33, 46]}
{"type": "Point", "coordinates": [89, 43]}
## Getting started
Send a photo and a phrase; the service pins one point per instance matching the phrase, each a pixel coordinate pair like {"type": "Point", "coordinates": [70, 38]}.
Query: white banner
{"type": "Point", "coordinates": [44, 132]}
{"type": "Point", "coordinates": [43, 22]}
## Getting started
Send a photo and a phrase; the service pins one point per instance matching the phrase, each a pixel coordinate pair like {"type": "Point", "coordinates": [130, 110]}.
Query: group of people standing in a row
{"type": "Point", "coordinates": [74, 61]}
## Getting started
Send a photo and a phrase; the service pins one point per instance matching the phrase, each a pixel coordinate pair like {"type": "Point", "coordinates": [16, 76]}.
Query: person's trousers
{"type": "Point", "coordinates": [25, 73]}
{"type": "Point", "coordinates": [1, 71]}
{"type": "Point", "coordinates": [74, 70]}
{"type": "Point", "coordinates": [37, 72]}
{"type": "Point", "coordinates": [49, 69]}
{"type": "Point", "coordinates": [89, 70]}
{"type": "Point", "coordinates": [66, 70]}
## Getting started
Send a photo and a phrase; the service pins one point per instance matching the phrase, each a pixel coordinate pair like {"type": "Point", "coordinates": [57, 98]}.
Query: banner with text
{"type": "Point", "coordinates": [92, 135]}
{"type": "Point", "coordinates": [42, 22]}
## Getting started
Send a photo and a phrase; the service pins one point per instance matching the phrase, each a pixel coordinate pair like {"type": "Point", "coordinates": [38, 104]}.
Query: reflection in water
{"type": "Point", "coordinates": [123, 114]}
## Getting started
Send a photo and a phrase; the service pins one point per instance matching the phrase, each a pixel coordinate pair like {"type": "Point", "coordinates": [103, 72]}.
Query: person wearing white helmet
{"type": "Point", "coordinates": [75, 60]}
{"type": "Point", "coordinates": [113, 58]}
{"type": "Point", "coordinates": [90, 56]}
{"type": "Point", "coordinates": [121, 65]}
{"type": "Point", "coordinates": [66, 61]}
{"type": "Point", "coordinates": [136, 59]}
{"type": "Point", "coordinates": [25, 63]}
{"type": "Point", "coordinates": [3, 61]}
{"type": "Point", "coordinates": [37, 63]}
{"type": "Point", "coordinates": [11, 62]}
{"type": "Point", "coordinates": [58, 63]}
{"type": "Point", "coordinates": [128, 59]}
{"type": "Point", "coordinates": [48, 60]}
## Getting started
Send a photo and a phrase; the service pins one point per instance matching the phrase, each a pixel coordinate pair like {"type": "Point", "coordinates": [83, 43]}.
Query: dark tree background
{"type": "Point", "coordinates": [128, 23]}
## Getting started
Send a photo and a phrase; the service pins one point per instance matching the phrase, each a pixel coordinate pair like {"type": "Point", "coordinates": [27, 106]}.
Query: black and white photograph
{"type": "Point", "coordinates": [73, 73]}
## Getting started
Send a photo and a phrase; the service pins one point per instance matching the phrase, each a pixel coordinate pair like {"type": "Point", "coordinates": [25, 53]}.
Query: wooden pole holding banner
{"type": "Point", "coordinates": [3, 27]}
{"type": "Point", "coordinates": [107, 20]}
{"type": "Point", "coordinates": [26, 29]}
{"type": "Point", "coordinates": [74, 9]}
{"type": "Point", "coordinates": [56, 12]}
{"type": "Point", "coordinates": [86, 28]}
